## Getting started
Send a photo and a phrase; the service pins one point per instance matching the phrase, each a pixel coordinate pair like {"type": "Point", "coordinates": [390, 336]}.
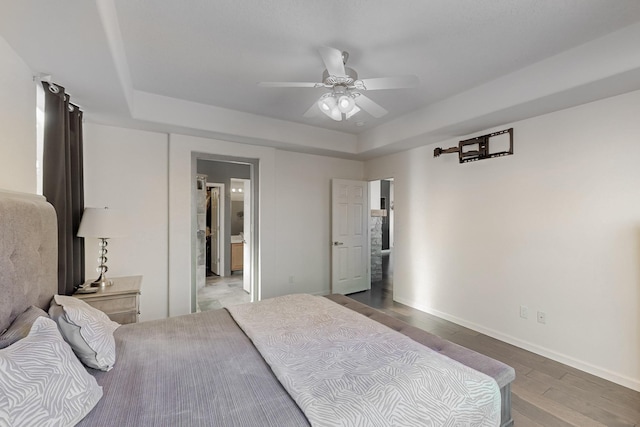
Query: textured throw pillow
{"type": "Point", "coordinates": [88, 331]}
{"type": "Point", "coordinates": [41, 381]}
{"type": "Point", "coordinates": [21, 326]}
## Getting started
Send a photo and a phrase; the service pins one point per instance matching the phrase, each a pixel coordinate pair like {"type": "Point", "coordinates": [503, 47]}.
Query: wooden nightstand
{"type": "Point", "coordinates": [119, 301]}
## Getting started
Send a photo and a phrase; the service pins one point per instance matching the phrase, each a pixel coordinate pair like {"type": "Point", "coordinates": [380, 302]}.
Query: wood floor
{"type": "Point", "coordinates": [545, 393]}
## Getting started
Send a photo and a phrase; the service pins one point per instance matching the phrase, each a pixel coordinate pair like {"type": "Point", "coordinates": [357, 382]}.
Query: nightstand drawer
{"type": "Point", "coordinates": [124, 318]}
{"type": "Point", "coordinates": [116, 304]}
{"type": "Point", "coordinates": [119, 301]}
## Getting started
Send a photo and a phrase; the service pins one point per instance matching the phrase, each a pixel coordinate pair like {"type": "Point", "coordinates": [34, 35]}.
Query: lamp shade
{"type": "Point", "coordinates": [346, 104]}
{"type": "Point", "coordinates": [327, 103]}
{"type": "Point", "coordinates": [102, 223]}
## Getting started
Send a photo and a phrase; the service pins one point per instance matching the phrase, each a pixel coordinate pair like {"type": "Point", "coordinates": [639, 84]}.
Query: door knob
{"type": "Point", "coordinates": [337, 243]}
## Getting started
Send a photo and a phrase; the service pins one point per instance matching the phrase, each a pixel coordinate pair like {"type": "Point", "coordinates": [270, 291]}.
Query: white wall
{"type": "Point", "coordinates": [303, 198]}
{"type": "Point", "coordinates": [555, 227]}
{"type": "Point", "coordinates": [374, 194]}
{"type": "Point", "coordinates": [148, 175]}
{"type": "Point", "coordinates": [17, 122]}
{"type": "Point", "coordinates": [128, 170]}
{"type": "Point", "coordinates": [285, 180]}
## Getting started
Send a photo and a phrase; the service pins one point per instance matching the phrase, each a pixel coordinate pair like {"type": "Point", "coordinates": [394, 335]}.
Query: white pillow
{"type": "Point", "coordinates": [21, 326]}
{"type": "Point", "coordinates": [88, 331]}
{"type": "Point", "coordinates": [42, 383]}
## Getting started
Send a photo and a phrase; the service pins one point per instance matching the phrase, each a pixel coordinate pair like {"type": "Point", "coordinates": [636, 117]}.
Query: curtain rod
{"type": "Point", "coordinates": [44, 77]}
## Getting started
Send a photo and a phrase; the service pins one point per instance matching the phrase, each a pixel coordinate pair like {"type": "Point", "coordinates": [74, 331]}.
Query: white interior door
{"type": "Point", "coordinates": [247, 271]}
{"type": "Point", "coordinates": [349, 245]}
{"type": "Point", "coordinates": [201, 231]}
{"type": "Point", "coordinates": [215, 230]}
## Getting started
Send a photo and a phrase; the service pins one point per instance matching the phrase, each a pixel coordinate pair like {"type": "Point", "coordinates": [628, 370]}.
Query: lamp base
{"type": "Point", "coordinates": [101, 282]}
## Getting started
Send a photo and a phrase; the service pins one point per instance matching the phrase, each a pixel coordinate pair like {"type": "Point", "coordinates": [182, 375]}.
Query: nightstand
{"type": "Point", "coordinates": [119, 301]}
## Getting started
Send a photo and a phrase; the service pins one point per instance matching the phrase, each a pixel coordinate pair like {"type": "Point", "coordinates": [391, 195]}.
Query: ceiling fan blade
{"type": "Point", "coordinates": [370, 106]}
{"type": "Point", "coordinates": [353, 112]}
{"type": "Point", "coordinates": [379, 83]}
{"type": "Point", "coordinates": [290, 84]}
{"type": "Point", "coordinates": [333, 61]}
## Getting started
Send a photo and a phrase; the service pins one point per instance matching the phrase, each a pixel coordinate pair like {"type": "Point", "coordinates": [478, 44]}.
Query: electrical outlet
{"type": "Point", "coordinates": [524, 312]}
{"type": "Point", "coordinates": [290, 279]}
{"type": "Point", "coordinates": [542, 317]}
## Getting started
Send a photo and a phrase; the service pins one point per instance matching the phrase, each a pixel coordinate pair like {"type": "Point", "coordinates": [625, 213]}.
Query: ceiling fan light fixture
{"type": "Point", "coordinates": [346, 104]}
{"type": "Point", "coordinates": [335, 114]}
{"type": "Point", "coordinates": [328, 104]}
{"type": "Point", "coordinates": [345, 98]}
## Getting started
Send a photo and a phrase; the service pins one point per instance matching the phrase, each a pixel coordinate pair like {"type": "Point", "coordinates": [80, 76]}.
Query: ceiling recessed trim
{"type": "Point", "coordinates": [109, 18]}
{"type": "Point", "coordinates": [187, 114]}
{"type": "Point", "coordinates": [578, 75]}
{"type": "Point", "coordinates": [601, 68]}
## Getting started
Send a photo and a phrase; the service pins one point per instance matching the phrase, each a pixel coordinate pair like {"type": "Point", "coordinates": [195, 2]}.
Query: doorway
{"type": "Point", "coordinates": [349, 236]}
{"type": "Point", "coordinates": [225, 282]}
{"type": "Point", "coordinates": [382, 232]}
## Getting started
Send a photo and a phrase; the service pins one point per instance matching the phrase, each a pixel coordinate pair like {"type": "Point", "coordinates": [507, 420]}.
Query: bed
{"type": "Point", "coordinates": [295, 360]}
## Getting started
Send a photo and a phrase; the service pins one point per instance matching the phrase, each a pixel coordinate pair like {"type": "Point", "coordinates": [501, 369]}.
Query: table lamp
{"type": "Point", "coordinates": [103, 223]}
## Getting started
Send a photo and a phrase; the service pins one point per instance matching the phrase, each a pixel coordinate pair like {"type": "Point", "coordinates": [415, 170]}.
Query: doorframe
{"type": "Point", "coordinates": [254, 176]}
{"type": "Point", "coordinates": [221, 217]}
{"type": "Point", "coordinates": [247, 238]}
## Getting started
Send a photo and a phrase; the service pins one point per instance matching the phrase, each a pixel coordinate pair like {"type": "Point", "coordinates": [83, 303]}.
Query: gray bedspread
{"type": "Point", "coordinates": [344, 369]}
{"type": "Point", "coordinates": [194, 370]}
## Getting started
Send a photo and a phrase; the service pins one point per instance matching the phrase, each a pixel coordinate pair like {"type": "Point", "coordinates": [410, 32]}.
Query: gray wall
{"type": "Point", "coordinates": [222, 172]}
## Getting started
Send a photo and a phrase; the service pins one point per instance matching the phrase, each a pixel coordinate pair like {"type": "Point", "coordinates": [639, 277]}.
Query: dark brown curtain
{"type": "Point", "coordinates": [63, 184]}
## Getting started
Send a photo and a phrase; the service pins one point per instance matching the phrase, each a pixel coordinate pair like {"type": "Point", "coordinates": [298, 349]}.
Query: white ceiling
{"type": "Point", "coordinates": [193, 67]}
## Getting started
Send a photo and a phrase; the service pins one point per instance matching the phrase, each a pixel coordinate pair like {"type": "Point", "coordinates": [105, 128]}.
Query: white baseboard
{"type": "Point", "coordinates": [615, 377]}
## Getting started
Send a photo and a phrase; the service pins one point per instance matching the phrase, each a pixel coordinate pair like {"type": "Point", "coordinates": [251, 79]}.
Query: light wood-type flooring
{"type": "Point", "coordinates": [545, 393]}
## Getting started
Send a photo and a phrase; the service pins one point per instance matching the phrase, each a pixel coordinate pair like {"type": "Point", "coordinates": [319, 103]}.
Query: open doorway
{"type": "Point", "coordinates": [381, 243]}
{"type": "Point", "coordinates": [382, 232]}
{"type": "Point", "coordinates": [229, 252]}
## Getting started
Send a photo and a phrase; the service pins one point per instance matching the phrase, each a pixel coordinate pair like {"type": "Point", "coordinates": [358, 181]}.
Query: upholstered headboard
{"type": "Point", "coordinates": [28, 254]}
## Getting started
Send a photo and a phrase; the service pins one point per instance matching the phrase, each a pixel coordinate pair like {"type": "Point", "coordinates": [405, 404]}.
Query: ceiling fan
{"type": "Point", "coordinates": [345, 97]}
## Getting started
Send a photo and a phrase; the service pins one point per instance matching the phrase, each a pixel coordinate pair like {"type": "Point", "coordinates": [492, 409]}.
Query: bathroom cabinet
{"type": "Point", "coordinates": [236, 256]}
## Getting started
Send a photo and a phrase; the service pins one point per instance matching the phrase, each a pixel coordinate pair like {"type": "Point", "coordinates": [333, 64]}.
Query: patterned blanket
{"type": "Point", "coordinates": [344, 369]}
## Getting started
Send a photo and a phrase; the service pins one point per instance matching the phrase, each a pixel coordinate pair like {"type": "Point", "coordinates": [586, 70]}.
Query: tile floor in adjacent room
{"type": "Point", "coordinates": [222, 292]}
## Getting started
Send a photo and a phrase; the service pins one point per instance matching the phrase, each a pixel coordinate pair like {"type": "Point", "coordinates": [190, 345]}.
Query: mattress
{"type": "Point", "coordinates": [196, 370]}
{"type": "Point", "coordinates": [193, 370]}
